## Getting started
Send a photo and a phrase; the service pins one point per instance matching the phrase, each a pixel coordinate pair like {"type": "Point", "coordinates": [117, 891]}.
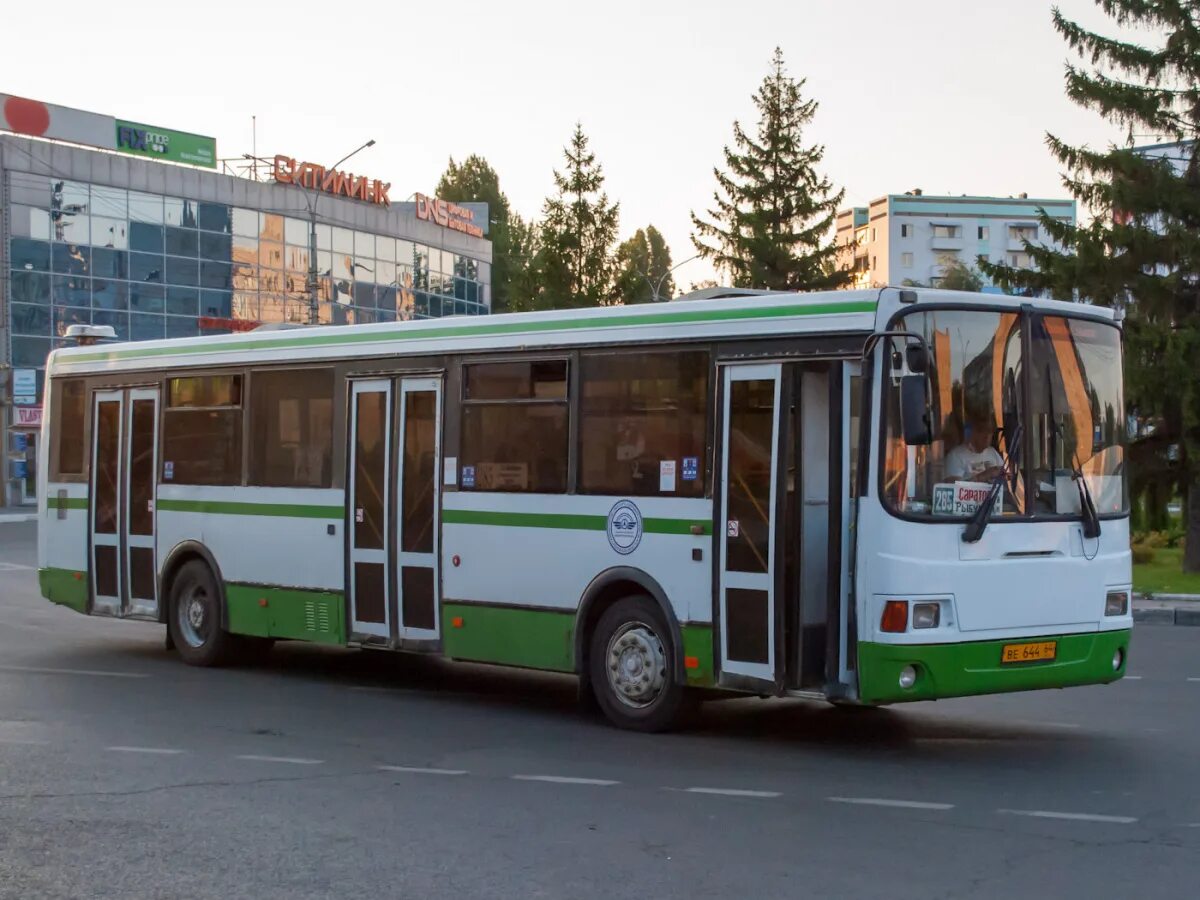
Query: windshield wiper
{"type": "Point", "coordinates": [1087, 506]}
{"type": "Point", "coordinates": [978, 522]}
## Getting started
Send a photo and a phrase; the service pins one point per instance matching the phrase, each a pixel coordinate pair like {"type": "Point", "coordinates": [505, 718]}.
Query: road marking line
{"type": "Point", "coordinates": [14, 567]}
{"type": "Point", "coordinates": [1074, 817]}
{"type": "Point", "coordinates": [167, 751]}
{"type": "Point", "coordinates": [565, 779]}
{"type": "Point", "coordinates": [293, 760]}
{"type": "Point", "coordinates": [418, 770]}
{"type": "Point", "coordinates": [1133, 677]}
{"type": "Point", "coordinates": [1193, 679]}
{"type": "Point", "coordinates": [42, 670]}
{"type": "Point", "coordinates": [29, 742]}
{"type": "Point", "coordinates": [898, 804]}
{"type": "Point", "coordinates": [732, 792]}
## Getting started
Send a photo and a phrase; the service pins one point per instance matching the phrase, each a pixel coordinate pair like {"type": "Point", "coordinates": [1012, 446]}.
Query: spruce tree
{"type": "Point", "coordinates": [475, 181]}
{"type": "Point", "coordinates": [770, 227]}
{"type": "Point", "coordinates": [643, 268]}
{"type": "Point", "coordinates": [1141, 249]}
{"type": "Point", "coordinates": [578, 230]}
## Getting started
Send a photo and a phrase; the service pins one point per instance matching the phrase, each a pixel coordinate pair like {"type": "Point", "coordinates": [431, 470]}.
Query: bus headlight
{"type": "Point", "coordinates": [926, 615]}
{"type": "Point", "coordinates": [1116, 603]}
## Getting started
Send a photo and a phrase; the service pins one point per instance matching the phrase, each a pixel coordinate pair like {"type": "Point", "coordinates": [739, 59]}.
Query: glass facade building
{"type": "Point", "coordinates": [161, 251]}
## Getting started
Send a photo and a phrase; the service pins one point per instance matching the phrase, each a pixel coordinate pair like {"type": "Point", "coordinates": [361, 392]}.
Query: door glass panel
{"type": "Point", "coordinates": [748, 520]}
{"type": "Point", "coordinates": [420, 427]}
{"type": "Point", "coordinates": [106, 570]}
{"type": "Point", "coordinates": [748, 627]}
{"type": "Point", "coordinates": [141, 468]}
{"type": "Point", "coordinates": [108, 465]}
{"type": "Point", "coordinates": [370, 468]}
{"type": "Point", "coordinates": [416, 587]}
{"type": "Point", "coordinates": [369, 592]}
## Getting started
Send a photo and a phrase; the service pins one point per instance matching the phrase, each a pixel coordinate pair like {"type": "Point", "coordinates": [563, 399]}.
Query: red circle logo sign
{"type": "Point", "coordinates": [26, 116]}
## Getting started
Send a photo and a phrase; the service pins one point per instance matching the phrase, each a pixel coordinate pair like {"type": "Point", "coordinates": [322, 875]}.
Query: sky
{"type": "Point", "coordinates": [951, 96]}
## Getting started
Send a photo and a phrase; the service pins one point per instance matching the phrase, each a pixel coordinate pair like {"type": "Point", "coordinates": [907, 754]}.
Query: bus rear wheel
{"type": "Point", "coordinates": [194, 617]}
{"type": "Point", "coordinates": [632, 666]}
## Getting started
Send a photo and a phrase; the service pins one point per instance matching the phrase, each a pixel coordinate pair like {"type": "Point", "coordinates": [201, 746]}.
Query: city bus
{"type": "Point", "coordinates": [863, 497]}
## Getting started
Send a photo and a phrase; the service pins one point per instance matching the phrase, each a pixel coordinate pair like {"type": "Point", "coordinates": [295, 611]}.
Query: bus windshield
{"type": "Point", "coordinates": [1039, 438]}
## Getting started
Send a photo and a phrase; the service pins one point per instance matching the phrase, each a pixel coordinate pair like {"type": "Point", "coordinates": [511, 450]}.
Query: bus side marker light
{"type": "Point", "coordinates": [78, 576]}
{"type": "Point", "coordinates": [895, 617]}
{"type": "Point", "coordinates": [456, 622]}
{"type": "Point", "coordinates": [262, 601]}
{"type": "Point", "coordinates": [691, 662]}
{"type": "Point", "coordinates": [1116, 603]}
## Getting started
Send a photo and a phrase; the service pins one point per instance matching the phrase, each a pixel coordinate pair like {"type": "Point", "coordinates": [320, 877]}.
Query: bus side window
{"type": "Point", "coordinates": [514, 426]}
{"type": "Point", "coordinates": [69, 413]}
{"type": "Point", "coordinates": [291, 427]}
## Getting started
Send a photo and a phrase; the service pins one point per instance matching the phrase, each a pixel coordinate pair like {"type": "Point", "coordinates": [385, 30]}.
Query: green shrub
{"type": "Point", "coordinates": [1142, 554]}
{"type": "Point", "coordinates": [1155, 540]}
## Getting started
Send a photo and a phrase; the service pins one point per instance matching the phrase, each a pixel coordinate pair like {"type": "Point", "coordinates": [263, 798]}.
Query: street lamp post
{"type": "Point", "coordinates": [311, 198]}
{"type": "Point", "coordinates": [656, 286]}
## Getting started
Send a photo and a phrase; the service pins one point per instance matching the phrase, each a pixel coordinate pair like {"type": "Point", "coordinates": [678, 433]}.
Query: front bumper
{"type": "Point", "coordinates": [963, 669]}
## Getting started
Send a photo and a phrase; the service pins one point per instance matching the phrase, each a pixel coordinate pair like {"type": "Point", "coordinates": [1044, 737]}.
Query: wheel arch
{"type": "Point", "coordinates": [606, 589]}
{"type": "Point", "coordinates": [181, 553]}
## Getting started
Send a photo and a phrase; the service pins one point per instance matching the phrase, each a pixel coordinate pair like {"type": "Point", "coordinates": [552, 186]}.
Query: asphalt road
{"type": "Point", "coordinates": [124, 773]}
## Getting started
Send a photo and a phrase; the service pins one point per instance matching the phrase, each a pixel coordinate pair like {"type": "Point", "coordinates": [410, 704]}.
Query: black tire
{"type": "Point", "coordinates": [194, 618]}
{"type": "Point", "coordinates": [636, 687]}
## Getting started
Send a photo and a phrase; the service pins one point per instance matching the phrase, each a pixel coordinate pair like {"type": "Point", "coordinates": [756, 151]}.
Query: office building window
{"type": "Point", "coordinates": [906, 231]}
{"type": "Point", "coordinates": [906, 260]}
{"type": "Point", "coordinates": [983, 232]}
{"type": "Point", "coordinates": [947, 231]}
{"type": "Point", "coordinates": [1022, 232]}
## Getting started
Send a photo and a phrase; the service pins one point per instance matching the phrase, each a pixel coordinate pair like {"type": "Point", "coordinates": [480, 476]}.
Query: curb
{"type": "Point", "coordinates": [15, 518]}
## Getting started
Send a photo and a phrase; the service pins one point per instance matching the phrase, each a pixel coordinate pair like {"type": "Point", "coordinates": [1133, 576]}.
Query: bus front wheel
{"type": "Point", "coordinates": [632, 666]}
{"type": "Point", "coordinates": [195, 617]}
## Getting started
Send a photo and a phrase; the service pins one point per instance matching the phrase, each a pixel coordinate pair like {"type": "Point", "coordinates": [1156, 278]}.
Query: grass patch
{"type": "Point", "coordinates": [1164, 575]}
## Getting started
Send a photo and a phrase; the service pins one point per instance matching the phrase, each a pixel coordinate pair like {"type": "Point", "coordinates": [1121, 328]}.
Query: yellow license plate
{"type": "Point", "coordinates": [1037, 651]}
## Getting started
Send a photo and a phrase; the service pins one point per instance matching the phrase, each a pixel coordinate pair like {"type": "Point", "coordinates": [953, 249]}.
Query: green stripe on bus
{"type": "Point", "coordinates": [570, 521]}
{"type": "Point", "coordinates": [681, 317]}
{"type": "Point", "coordinates": [292, 613]}
{"type": "Point", "coordinates": [239, 508]}
{"type": "Point", "coordinates": [974, 667]}
{"type": "Point", "coordinates": [66, 502]}
{"type": "Point", "coordinates": [65, 586]}
{"type": "Point", "coordinates": [531, 638]}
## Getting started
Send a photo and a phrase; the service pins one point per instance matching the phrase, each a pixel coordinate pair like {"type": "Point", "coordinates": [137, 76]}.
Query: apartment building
{"type": "Point", "coordinates": [913, 237]}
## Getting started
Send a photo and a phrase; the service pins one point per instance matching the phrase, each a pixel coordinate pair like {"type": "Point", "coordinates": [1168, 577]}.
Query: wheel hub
{"type": "Point", "coordinates": [637, 665]}
{"type": "Point", "coordinates": [193, 617]}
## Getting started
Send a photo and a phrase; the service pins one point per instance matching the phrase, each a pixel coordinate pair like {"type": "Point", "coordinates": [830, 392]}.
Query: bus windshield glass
{"type": "Point", "coordinates": [983, 430]}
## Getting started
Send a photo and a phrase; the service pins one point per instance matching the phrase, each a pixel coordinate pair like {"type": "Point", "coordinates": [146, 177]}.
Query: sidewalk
{"type": "Point", "coordinates": [1166, 609]}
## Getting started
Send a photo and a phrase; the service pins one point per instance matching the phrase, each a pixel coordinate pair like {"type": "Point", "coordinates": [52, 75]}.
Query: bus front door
{"type": "Point", "coordinates": [124, 568]}
{"type": "Point", "coordinates": [393, 496]}
{"type": "Point", "coordinates": [749, 609]}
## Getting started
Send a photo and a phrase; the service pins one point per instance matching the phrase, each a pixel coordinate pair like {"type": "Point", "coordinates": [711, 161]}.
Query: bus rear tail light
{"type": "Point", "coordinates": [1116, 603]}
{"type": "Point", "coordinates": [895, 617]}
{"type": "Point", "coordinates": [926, 615]}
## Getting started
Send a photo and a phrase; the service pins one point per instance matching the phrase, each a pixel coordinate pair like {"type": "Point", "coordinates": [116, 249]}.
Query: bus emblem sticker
{"type": "Point", "coordinates": [624, 527]}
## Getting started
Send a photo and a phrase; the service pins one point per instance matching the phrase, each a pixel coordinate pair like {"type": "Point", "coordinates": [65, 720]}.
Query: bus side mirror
{"type": "Point", "coordinates": [914, 410]}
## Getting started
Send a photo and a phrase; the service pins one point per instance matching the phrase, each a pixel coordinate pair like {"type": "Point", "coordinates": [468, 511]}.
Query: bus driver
{"type": "Point", "coordinates": [975, 459]}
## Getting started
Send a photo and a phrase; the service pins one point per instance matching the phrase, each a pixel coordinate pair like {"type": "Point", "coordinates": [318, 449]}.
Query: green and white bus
{"type": "Point", "coordinates": [864, 496]}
